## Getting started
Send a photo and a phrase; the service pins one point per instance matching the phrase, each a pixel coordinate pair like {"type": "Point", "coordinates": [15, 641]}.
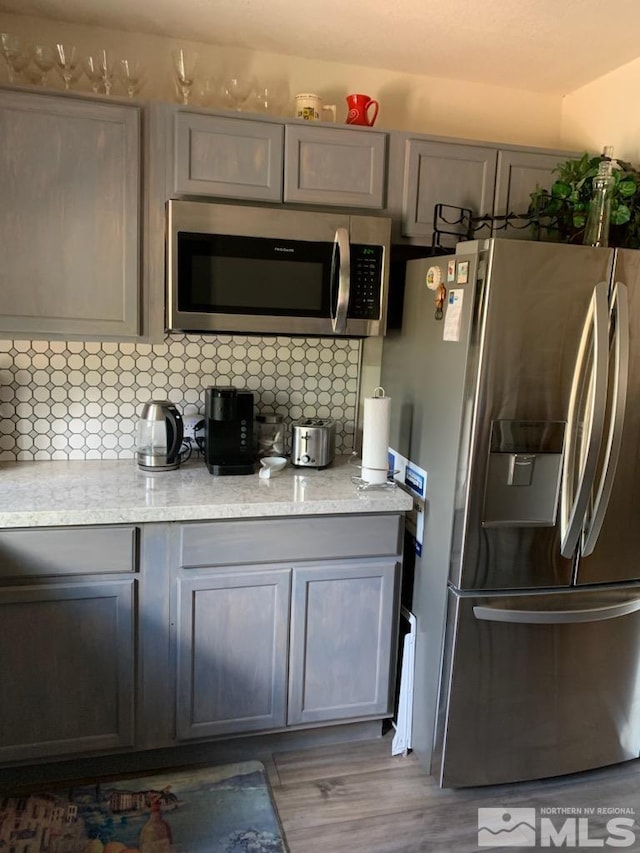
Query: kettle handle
{"type": "Point", "coordinates": [175, 433]}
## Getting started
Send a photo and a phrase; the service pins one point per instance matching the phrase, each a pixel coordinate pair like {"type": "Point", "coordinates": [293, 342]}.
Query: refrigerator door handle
{"type": "Point", "coordinates": [619, 314]}
{"type": "Point", "coordinates": [557, 617]}
{"type": "Point", "coordinates": [582, 450]}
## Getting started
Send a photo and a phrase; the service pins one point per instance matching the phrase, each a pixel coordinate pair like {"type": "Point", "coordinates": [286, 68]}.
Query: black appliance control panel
{"type": "Point", "coordinates": [366, 282]}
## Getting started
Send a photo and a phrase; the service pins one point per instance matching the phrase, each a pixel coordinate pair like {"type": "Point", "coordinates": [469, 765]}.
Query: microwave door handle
{"type": "Point", "coordinates": [339, 320]}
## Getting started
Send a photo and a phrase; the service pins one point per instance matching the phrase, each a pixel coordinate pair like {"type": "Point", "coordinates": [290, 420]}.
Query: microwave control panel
{"type": "Point", "coordinates": [366, 282]}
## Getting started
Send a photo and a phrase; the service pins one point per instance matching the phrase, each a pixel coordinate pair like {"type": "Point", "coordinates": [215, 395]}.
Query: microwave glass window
{"type": "Point", "coordinates": [240, 275]}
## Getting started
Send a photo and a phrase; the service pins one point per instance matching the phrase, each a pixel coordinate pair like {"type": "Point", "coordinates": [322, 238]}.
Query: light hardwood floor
{"type": "Point", "coordinates": [357, 797]}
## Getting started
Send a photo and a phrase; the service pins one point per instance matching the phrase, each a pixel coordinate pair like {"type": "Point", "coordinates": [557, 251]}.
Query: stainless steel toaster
{"type": "Point", "coordinates": [313, 442]}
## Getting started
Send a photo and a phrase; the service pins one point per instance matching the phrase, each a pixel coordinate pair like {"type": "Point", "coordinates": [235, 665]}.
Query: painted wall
{"type": "Point", "coordinates": [425, 104]}
{"type": "Point", "coordinates": [605, 113]}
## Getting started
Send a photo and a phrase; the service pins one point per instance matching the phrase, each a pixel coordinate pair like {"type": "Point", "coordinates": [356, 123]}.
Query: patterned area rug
{"type": "Point", "coordinates": [216, 810]}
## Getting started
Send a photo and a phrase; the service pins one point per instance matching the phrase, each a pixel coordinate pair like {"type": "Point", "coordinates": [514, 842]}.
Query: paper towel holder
{"type": "Point", "coordinates": [363, 484]}
{"type": "Point", "coordinates": [382, 482]}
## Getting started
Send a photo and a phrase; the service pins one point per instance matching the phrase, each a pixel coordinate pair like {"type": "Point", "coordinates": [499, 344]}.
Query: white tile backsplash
{"type": "Point", "coordinates": [81, 400]}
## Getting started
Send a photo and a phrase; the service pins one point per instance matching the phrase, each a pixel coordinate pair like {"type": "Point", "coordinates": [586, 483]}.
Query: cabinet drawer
{"type": "Point", "coordinates": [28, 553]}
{"type": "Point", "coordinates": [256, 540]}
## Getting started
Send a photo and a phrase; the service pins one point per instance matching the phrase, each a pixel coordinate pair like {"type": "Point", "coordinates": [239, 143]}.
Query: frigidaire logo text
{"type": "Point", "coordinates": [282, 249]}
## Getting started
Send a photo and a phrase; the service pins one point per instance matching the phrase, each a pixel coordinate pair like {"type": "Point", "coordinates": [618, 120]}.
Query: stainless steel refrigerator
{"type": "Point", "coordinates": [515, 383]}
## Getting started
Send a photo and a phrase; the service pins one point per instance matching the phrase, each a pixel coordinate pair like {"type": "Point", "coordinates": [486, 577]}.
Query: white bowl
{"type": "Point", "coordinates": [271, 465]}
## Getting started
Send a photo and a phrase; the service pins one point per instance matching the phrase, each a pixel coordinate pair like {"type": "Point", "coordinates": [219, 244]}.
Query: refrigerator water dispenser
{"type": "Point", "coordinates": [523, 473]}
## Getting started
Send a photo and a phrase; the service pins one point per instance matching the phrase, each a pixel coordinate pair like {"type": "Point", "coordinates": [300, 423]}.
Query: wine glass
{"type": "Point", "coordinates": [237, 90]}
{"type": "Point", "coordinates": [16, 57]}
{"type": "Point", "coordinates": [269, 98]}
{"type": "Point", "coordinates": [66, 57]}
{"type": "Point", "coordinates": [44, 60]}
{"type": "Point", "coordinates": [208, 92]}
{"type": "Point", "coordinates": [94, 72]}
{"type": "Point", "coordinates": [184, 65]}
{"type": "Point", "coordinates": [107, 70]}
{"type": "Point", "coordinates": [131, 73]}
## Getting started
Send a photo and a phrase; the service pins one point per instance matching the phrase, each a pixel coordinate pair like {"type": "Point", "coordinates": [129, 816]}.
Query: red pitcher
{"type": "Point", "coordinates": [359, 109]}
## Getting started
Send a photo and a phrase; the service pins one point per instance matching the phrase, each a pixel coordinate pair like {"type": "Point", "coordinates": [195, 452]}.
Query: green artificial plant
{"type": "Point", "coordinates": [560, 214]}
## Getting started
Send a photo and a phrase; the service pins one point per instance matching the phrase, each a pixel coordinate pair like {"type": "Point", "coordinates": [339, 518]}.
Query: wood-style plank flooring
{"type": "Point", "coordinates": [357, 797]}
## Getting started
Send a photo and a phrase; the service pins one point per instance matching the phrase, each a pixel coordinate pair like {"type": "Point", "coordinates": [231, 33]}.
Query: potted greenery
{"type": "Point", "coordinates": [560, 214]}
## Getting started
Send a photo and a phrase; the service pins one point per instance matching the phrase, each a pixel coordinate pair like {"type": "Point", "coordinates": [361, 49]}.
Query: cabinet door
{"type": "Point", "coordinates": [342, 641]}
{"type": "Point", "coordinates": [444, 173]}
{"type": "Point", "coordinates": [70, 218]}
{"type": "Point", "coordinates": [67, 668]}
{"type": "Point", "coordinates": [334, 166]}
{"type": "Point", "coordinates": [519, 174]}
{"type": "Point", "coordinates": [236, 158]}
{"type": "Point", "coordinates": [232, 650]}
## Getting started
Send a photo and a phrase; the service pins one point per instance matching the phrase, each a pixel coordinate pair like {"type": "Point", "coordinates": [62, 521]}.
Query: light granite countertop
{"type": "Point", "coordinates": [48, 494]}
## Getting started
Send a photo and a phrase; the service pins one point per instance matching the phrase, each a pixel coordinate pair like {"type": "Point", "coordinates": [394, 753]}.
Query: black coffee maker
{"type": "Point", "coordinates": [228, 431]}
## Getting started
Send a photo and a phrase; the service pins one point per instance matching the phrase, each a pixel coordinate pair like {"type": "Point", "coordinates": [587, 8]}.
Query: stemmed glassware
{"type": "Point", "coordinates": [131, 73]}
{"type": "Point", "coordinates": [100, 69]}
{"type": "Point", "coordinates": [44, 60]}
{"type": "Point", "coordinates": [237, 90]}
{"type": "Point", "coordinates": [107, 69]}
{"type": "Point", "coordinates": [16, 57]}
{"type": "Point", "coordinates": [184, 65]}
{"type": "Point", "coordinates": [94, 72]}
{"type": "Point", "coordinates": [67, 63]}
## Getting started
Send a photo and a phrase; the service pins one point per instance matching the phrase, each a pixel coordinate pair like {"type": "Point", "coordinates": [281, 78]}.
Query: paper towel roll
{"type": "Point", "coordinates": [375, 437]}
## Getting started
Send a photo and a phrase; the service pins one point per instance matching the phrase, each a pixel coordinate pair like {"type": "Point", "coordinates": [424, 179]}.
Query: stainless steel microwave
{"type": "Point", "coordinates": [271, 271]}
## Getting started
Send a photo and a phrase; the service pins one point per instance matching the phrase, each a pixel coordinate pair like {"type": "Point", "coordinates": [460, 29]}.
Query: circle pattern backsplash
{"type": "Point", "coordinates": [79, 400]}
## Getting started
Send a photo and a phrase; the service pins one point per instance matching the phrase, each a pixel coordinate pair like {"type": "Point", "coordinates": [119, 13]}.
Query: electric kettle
{"type": "Point", "coordinates": [159, 440]}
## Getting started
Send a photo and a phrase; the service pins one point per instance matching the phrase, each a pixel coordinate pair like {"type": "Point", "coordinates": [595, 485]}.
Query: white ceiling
{"type": "Point", "coordinates": [553, 46]}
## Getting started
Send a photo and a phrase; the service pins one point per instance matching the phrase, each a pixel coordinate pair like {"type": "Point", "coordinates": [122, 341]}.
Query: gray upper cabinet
{"type": "Point", "coordinates": [519, 174]}
{"type": "Point", "coordinates": [232, 650]}
{"type": "Point", "coordinates": [342, 641]}
{"type": "Point", "coordinates": [445, 173]}
{"type": "Point", "coordinates": [253, 159]}
{"type": "Point", "coordinates": [229, 157]}
{"type": "Point", "coordinates": [70, 219]}
{"type": "Point", "coordinates": [334, 166]}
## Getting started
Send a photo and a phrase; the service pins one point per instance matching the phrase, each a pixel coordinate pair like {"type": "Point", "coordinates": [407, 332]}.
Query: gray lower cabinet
{"type": "Point", "coordinates": [70, 218]}
{"type": "Point", "coordinates": [232, 642]}
{"type": "Point", "coordinates": [334, 166]}
{"type": "Point", "coordinates": [284, 622]}
{"type": "Point", "coordinates": [67, 685]}
{"type": "Point", "coordinates": [445, 173]}
{"type": "Point", "coordinates": [342, 641]}
{"type": "Point", "coordinates": [119, 638]}
{"type": "Point", "coordinates": [68, 628]}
